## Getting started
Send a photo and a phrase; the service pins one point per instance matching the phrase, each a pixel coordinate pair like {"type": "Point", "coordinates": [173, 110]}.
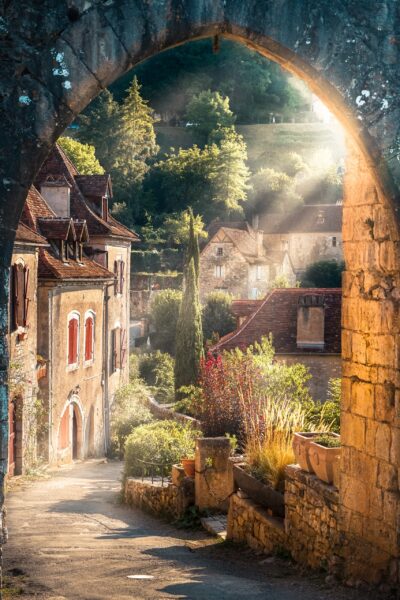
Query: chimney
{"type": "Point", "coordinates": [311, 322]}
{"type": "Point", "coordinates": [56, 191]}
{"type": "Point", "coordinates": [255, 221]}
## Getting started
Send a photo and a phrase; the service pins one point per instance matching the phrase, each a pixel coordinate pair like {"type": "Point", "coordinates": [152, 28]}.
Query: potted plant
{"type": "Point", "coordinates": [188, 465]}
{"type": "Point", "coordinates": [301, 446]}
{"type": "Point", "coordinates": [324, 453]}
{"type": "Point", "coordinates": [41, 367]}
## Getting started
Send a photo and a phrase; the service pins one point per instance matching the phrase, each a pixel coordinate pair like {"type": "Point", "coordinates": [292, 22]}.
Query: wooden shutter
{"type": "Point", "coordinates": [13, 297]}
{"type": "Point", "coordinates": [19, 296]}
{"type": "Point", "coordinates": [26, 299]}
{"type": "Point", "coordinates": [113, 354]}
{"type": "Point", "coordinates": [123, 347]}
{"type": "Point", "coordinates": [118, 348]}
{"type": "Point", "coordinates": [73, 341]}
{"type": "Point", "coordinates": [116, 274]}
{"type": "Point", "coordinates": [122, 276]}
{"type": "Point", "coordinates": [89, 338]}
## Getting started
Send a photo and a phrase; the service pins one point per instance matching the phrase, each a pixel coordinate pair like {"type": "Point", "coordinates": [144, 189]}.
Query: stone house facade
{"type": "Point", "coordinates": [235, 260]}
{"type": "Point", "coordinates": [309, 234]}
{"type": "Point", "coordinates": [82, 308]}
{"type": "Point", "coordinates": [305, 325]}
{"type": "Point", "coordinates": [22, 343]}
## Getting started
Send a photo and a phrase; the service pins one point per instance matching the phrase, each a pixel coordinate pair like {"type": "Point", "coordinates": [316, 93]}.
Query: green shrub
{"type": "Point", "coordinates": [157, 370]}
{"type": "Point", "coordinates": [327, 440]}
{"type": "Point", "coordinates": [217, 315]}
{"type": "Point", "coordinates": [164, 311]}
{"type": "Point", "coordinates": [161, 443]}
{"type": "Point", "coordinates": [327, 413]}
{"type": "Point", "coordinates": [127, 412]}
{"type": "Point", "coordinates": [133, 367]}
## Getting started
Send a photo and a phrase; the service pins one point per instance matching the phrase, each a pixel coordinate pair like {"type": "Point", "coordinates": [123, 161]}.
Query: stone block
{"type": "Point", "coordinates": [362, 396]}
{"type": "Point", "coordinates": [382, 441]}
{"type": "Point", "coordinates": [354, 494]}
{"type": "Point", "coordinates": [353, 430]}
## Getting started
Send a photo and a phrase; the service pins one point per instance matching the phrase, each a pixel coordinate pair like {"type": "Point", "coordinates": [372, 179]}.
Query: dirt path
{"type": "Point", "coordinates": [70, 538]}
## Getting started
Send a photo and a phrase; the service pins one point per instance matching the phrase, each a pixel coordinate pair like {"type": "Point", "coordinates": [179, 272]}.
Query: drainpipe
{"type": "Point", "coordinates": [106, 363]}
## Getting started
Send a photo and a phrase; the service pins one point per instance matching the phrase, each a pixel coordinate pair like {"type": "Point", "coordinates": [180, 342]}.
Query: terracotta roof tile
{"type": "Point", "coordinates": [94, 185]}
{"type": "Point", "coordinates": [51, 267]}
{"type": "Point", "coordinates": [244, 308]}
{"type": "Point", "coordinates": [35, 208]}
{"type": "Point", "coordinates": [277, 314]}
{"type": "Point", "coordinates": [57, 163]}
{"type": "Point", "coordinates": [27, 235]}
{"type": "Point", "coordinates": [57, 228]}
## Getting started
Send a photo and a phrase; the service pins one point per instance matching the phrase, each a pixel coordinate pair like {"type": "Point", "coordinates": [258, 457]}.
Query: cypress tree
{"type": "Point", "coordinates": [193, 250]}
{"type": "Point", "coordinates": [189, 331]}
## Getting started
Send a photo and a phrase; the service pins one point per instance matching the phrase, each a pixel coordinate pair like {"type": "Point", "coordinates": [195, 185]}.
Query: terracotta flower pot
{"type": "Point", "coordinates": [188, 467]}
{"type": "Point", "coordinates": [324, 461]}
{"type": "Point", "coordinates": [301, 445]}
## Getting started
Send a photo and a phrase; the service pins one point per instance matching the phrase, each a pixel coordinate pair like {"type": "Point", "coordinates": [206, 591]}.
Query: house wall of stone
{"type": "Point", "coordinates": [322, 367]}
{"type": "Point", "coordinates": [118, 310]}
{"type": "Point", "coordinates": [82, 386]}
{"type": "Point", "coordinates": [306, 248]}
{"type": "Point", "coordinates": [22, 372]}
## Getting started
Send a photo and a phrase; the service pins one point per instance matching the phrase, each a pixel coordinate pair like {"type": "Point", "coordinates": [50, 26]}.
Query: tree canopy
{"type": "Point", "coordinates": [82, 155]}
{"type": "Point", "coordinates": [323, 274]}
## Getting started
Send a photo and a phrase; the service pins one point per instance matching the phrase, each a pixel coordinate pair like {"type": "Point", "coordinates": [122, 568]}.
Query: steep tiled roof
{"type": "Point", "coordinates": [309, 218]}
{"type": "Point", "coordinates": [216, 225]}
{"type": "Point", "coordinates": [35, 208]}
{"type": "Point", "coordinates": [57, 163]}
{"type": "Point", "coordinates": [81, 231]}
{"type": "Point", "coordinates": [27, 235]}
{"type": "Point", "coordinates": [277, 314]}
{"type": "Point", "coordinates": [94, 185]}
{"type": "Point", "coordinates": [51, 267]}
{"type": "Point", "coordinates": [57, 228]}
{"type": "Point", "coordinates": [244, 308]}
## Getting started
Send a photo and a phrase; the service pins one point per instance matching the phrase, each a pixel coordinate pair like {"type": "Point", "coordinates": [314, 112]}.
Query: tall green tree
{"type": "Point", "coordinates": [189, 331]}
{"type": "Point", "coordinates": [206, 112]}
{"type": "Point", "coordinates": [193, 250]}
{"type": "Point", "coordinates": [218, 318]}
{"type": "Point", "coordinates": [82, 155]}
{"type": "Point", "coordinates": [100, 126]}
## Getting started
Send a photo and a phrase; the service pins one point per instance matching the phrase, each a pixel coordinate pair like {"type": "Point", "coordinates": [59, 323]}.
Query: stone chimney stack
{"type": "Point", "coordinates": [260, 242]}
{"type": "Point", "coordinates": [56, 191]}
{"type": "Point", "coordinates": [311, 322]}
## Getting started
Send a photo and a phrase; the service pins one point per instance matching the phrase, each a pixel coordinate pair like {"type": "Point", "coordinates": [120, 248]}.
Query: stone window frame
{"type": "Point", "coordinates": [219, 251]}
{"type": "Point", "coordinates": [219, 272]}
{"type": "Point", "coordinates": [89, 314]}
{"type": "Point", "coordinates": [73, 315]}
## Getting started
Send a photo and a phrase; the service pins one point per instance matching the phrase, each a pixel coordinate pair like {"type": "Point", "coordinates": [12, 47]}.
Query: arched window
{"type": "Point", "coordinates": [73, 339]}
{"type": "Point", "coordinates": [89, 336]}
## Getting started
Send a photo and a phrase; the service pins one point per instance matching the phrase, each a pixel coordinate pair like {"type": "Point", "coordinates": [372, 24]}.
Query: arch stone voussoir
{"type": "Point", "coordinates": [55, 58]}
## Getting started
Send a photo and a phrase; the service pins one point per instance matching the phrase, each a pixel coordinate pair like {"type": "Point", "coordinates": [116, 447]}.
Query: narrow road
{"type": "Point", "coordinates": [70, 538]}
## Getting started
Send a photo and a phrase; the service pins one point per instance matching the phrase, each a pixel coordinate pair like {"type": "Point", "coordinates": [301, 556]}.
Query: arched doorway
{"type": "Point", "coordinates": [70, 433]}
{"type": "Point", "coordinates": [348, 55]}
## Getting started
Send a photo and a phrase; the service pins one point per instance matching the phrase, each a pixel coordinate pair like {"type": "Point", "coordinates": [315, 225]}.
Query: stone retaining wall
{"type": "Point", "coordinates": [310, 528]}
{"type": "Point", "coordinates": [250, 523]}
{"type": "Point", "coordinates": [166, 499]}
{"type": "Point", "coordinates": [311, 521]}
{"type": "Point", "coordinates": [162, 412]}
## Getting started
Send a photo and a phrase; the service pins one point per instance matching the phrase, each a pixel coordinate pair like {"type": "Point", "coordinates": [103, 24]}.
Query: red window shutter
{"type": "Point", "coordinates": [116, 274]}
{"type": "Point", "coordinates": [72, 341]}
{"type": "Point", "coordinates": [89, 338]}
{"type": "Point", "coordinates": [26, 299]}
{"type": "Point", "coordinates": [122, 276]}
{"type": "Point", "coordinates": [123, 347]}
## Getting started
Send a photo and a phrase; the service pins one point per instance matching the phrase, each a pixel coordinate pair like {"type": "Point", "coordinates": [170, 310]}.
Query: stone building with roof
{"type": "Point", "coordinates": [235, 260]}
{"type": "Point", "coordinates": [82, 308]}
{"type": "Point", "coordinates": [305, 325]}
{"type": "Point", "coordinates": [310, 233]}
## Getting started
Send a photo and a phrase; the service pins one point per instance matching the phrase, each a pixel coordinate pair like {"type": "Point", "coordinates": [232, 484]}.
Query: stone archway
{"type": "Point", "coordinates": [59, 55]}
{"type": "Point", "coordinates": [70, 432]}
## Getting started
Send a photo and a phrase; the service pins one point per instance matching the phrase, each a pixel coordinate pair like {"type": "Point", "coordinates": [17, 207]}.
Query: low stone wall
{"type": "Point", "coordinates": [311, 519]}
{"type": "Point", "coordinates": [250, 523]}
{"type": "Point", "coordinates": [168, 499]}
{"type": "Point", "coordinates": [310, 528]}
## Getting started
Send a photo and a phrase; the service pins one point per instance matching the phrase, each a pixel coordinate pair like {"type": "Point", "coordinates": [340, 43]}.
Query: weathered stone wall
{"type": "Point", "coordinates": [321, 367]}
{"type": "Point", "coordinates": [251, 524]}
{"type": "Point", "coordinates": [214, 475]}
{"type": "Point", "coordinates": [311, 519]}
{"type": "Point", "coordinates": [168, 500]}
{"type": "Point", "coordinates": [235, 278]}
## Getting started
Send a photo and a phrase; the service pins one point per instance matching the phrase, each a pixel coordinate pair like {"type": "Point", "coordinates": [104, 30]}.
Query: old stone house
{"type": "Point", "coordinates": [82, 307]}
{"type": "Point", "coordinates": [235, 260]}
{"type": "Point", "coordinates": [22, 343]}
{"type": "Point", "coordinates": [308, 234]}
{"type": "Point", "coordinates": [305, 325]}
